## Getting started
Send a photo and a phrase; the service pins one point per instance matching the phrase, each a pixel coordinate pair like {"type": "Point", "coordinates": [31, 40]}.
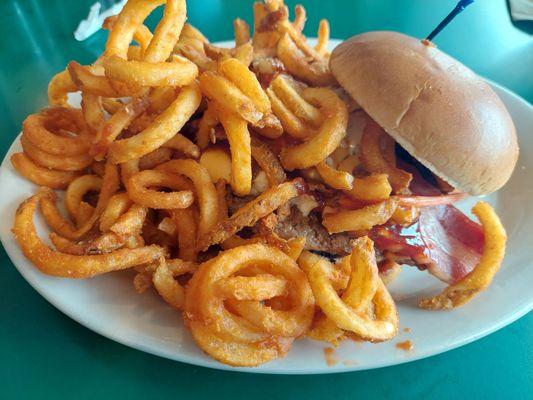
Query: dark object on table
{"type": "Point", "coordinates": [521, 13]}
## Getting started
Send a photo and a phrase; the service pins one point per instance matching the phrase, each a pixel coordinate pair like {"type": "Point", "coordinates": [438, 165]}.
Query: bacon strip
{"type": "Point", "coordinates": [443, 240]}
{"type": "Point", "coordinates": [453, 242]}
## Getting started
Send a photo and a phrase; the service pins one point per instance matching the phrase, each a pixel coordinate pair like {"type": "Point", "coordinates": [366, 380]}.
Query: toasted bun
{"type": "Point", "coordinates": [437, 109]}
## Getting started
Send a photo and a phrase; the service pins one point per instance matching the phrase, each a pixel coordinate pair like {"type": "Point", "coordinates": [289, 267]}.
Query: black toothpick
{"type": "Point", "coordinates": [458, 8]}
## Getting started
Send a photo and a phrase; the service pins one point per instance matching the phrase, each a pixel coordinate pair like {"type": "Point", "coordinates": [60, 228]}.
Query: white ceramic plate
{"type": "Point", "coordinates": [110, 306]}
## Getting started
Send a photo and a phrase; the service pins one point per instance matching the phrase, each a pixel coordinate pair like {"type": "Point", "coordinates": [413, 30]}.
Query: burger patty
{"type": "Point", "coordinates": [298, 225]}
{"type": "Point", "coordinates": [317, 237]}
{"type": "Point", "coordinates": [295, 224]}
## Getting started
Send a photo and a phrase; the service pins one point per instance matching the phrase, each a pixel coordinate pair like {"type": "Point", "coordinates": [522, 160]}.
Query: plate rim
{"type": "Point", "coordinates": [213, 364]}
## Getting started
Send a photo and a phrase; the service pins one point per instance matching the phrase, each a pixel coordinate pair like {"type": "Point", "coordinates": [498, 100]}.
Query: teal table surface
{"type": "Point", "coordinates": [44, 354]}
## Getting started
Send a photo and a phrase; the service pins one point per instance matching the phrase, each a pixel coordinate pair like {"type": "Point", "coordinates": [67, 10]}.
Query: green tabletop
{"type": "Point", "coordinates": [44, 354]}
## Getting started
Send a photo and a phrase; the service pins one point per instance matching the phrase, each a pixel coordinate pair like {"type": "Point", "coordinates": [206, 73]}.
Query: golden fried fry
{"type": "Point", "coordinates": [375, 187]}
{"type": "Point", "coordinates": [251, 212]}
{"type": "Point", "coordinates": [205, 190]}
{"type": "Point", "coordinates": [166, 33]}
{"type": "Point", "coordinates": [328, 136]}
{"type": "Point", "coordinates": [53, 161]}
{"type": "Point", "coordinates": [41, 175]}
{"type": "Point", "coordinates": [292, 98]}
{"type": "Point", "coordinates": [246, 81]}
{"type": "Point", "coordinates": [335, 178]}
{"type": "Point", "coordinates": [183, 145]}
{"type": "Point", "coordinates": [361, 219]}
{"type": "Point", "coordinates": [481, 276]}
{"type": "Point", "coordinates": [93, 111]}
{"type": "Point", "coordinates": [59, 88]}
{"type": "Point", "coordinates": [161, 130]}
{"type": "Point", "coordinates": [238, 135]}
{"type": "Point", "coordinates": [178, 72]}
{"type": "Point", "coordinates": [268, 162]}
{"type": "Point", "coordinates": [204, 305]}
{"type": "Point", "coordinates": [253, 288]}
{"type": "Point", "coordinates": [220, 89]}
{"type": "Point", "coordinates": [169, 289]}
{"type": "Point", "coordinates": [155, 158]}
{"type": "Point", "coordinates": [59, 264]}
{"type": "Point", "coordinates": [374, 161]}
{"type": "Point", "coordinates": [115, 207]}
{"type": "Point", "coordinates": [242, 31]}
{"type": "Point", "coordinates": [323, 37]}
{"type": "Point", "coordinates": [348, 312]}
{"type": "Point", "coordinates": [91, 82]}
{"type": "Point", "coordinates": [142, 35]}
{"type": "Point", "coordinates": [42, 130]}
{"type": "Point", "coordinates": [315, 72]}
{"type": "Point", "coordinates": [139, 190]}
{"type": "Point", "coordinates": [207, 125]}
{"type": "Point", "coordinates": [76, 190]}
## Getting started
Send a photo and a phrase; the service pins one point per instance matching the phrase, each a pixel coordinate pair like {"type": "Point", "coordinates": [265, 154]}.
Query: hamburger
{"type": "Point", "coordinates": [434, 107]}
{"type": "Point", "coordinates": [452, 134]}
